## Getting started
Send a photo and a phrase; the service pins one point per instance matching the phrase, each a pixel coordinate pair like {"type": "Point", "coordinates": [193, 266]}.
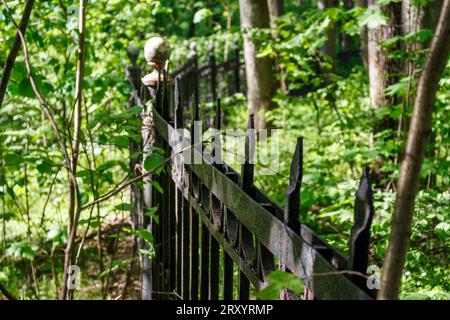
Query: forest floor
{"type": "Point", "coordinates": [120, 276]}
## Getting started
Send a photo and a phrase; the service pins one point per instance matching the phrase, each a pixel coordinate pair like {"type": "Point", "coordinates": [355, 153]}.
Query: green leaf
{"type": "Point", "coordinates": [157, 186]}
{"type": "Point", "coordinates": [286, 279]}
{"type": "Point", "coordinates": [129, 114]}
{"type": "Point", "coordinates": [372, 18]}
{"type": "Point", "coordinates": [416, 296]}
{"type": "Point", "coordinates": [7, 216]}
{"type": "Point", "coordinates": [45, 166]}
{"type": "Point", "coordinates": [19, 72]}
{"type": "Point", "coordinates": [399, 87]}
{"type": "Point", "coordinates": [146, 235]}
{"type": "Point", "coordinates": [278, 281]}
{"type": "Point", "coordinates": [271, 292]}
{"type": "Point", "coordinates": [151, 212]}
{"type": "Point", "coordinates": [421, 35]}
{"type": "Point", "coordinates": [154, 163]}
{"type": "Point", "coordinates": [84, 198]}
{"type": "Point", "coordinates": [28, 253]}
{"type": "Point", "coordinates": [386, 2]}
{"type": "Point", "coordinates": [121, 141]}
{"type": "Point", "coordinates": [124, 207]}
{"type": "Point", "coordinates": [25, 88]}
{"type": "Point", "coordinates": [201, 15]}
{"type": "Point", "coordinates": [12, 159]}
{"type": "Point", "coordinates": [56, 234]}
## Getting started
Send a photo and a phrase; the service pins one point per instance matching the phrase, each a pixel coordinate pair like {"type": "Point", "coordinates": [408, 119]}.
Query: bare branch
{"type": "Point", "coordinates": [11, 59]}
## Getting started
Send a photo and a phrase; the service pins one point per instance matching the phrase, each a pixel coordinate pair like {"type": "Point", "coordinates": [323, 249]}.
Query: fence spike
{"type": "Point", "coordinates": [218, 120]}
{"type": "Point", "coordinates": [177, 104]}
{"type": "Point", "coordinates": [217, 144]}
{"type": "Point", "coordinates": [360, 233]}
{"type": "Point", "coordinates": [248, 167]}
{"type": "Point", "coordinates": [292, 208]}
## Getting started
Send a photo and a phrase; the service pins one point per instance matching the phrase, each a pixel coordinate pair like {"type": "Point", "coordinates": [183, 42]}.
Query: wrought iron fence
{"type": "Point", "coordinates": [216, 235]}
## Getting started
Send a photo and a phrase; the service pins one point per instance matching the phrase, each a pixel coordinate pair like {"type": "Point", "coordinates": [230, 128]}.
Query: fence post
{"type": "Point", "coordinates": [216, 209]}
{"type": "Point", "coordinates": [195, 188]}
{"type": "Point", "coordinates": [360, 233]}
{"type": "Point", "coordinates": [133, 73]}
{"type": "Point", "coordinates": [157, 52]}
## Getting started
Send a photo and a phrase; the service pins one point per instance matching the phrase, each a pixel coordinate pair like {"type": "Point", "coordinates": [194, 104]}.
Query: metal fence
{"type": "Point", "coordinates": [217, 235]}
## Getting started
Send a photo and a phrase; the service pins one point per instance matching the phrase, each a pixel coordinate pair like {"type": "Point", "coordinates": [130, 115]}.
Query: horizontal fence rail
{"type": "Point", "coordinates": [218, 236]}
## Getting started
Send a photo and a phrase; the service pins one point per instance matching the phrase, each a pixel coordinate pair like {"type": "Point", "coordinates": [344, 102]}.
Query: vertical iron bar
{"type": "Point", "coordinates": [194, 242]}
{"type": "Point", "coordinates": [245, 237]}
{"type": "Point", "coordinates": [292, 208]}
{"type": "Point", "coordinates": [360, 233]}
{"type": "Point", "coordinates": [183, 213]}
{"type": "Point", "coordinates": [214, 203]}
{"type": "Point", "coordinates": [195, 189]}
{"type": "Point", "coordinates": [227, 277]}
{"type": "Point", "coordinates": [172, 201]}
{"type": "Point", "coordinates": [205, 245]}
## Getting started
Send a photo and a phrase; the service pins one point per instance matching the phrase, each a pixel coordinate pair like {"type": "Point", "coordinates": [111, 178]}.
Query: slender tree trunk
{"type": "Point", "coordinates": [414, 153]}
{"type": "Point", "coordinates": [431, 16]}
{"type": "Point", "coordinates": [73, 194]}
{"type": "Point", "coordinates": [381, 68]}
{"type": "Point", "coordinates": [77, 116]}
{"type": "Point", "coordinates": [11, 59]}
{"type": "Point", "coordinates": [414, 18]}
{"type": "Point", "coordinates": [348, 47]}
{"type": "Point", "coordinates": [329, 49]}
{"type": "Point", "coordinates": [363, 38]}
{"type": "Point", "coordinates": [276, 10]}
{"type": "Point", "coordinates": [261, 83]}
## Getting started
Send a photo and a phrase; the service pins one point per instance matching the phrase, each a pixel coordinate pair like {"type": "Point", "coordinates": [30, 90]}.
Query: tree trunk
{"type": "Point", "coordinates": [414, 19]}
{"type": "Point", "coordinates": [363, 38]}
{"type": "Point", "coordinates": [77, 116]}
{"type": "Point", "coordinates": [261, 84]}
{"type": "Point", "coordinates": [347, 42]}
{"type": "Point", "coordinates": [329, 48]}
{"type": "Point", "coordinates": [276, 10]}
{"type": "Point", "coordinates": [11, 59]}
{"type": "Point", "coordinates": [380, 66]}
{"type": "Point", "coordinates": [414, 153]}
{"type": "Point", "coordinates": [73, 215]}
{"type": "Point", "coordinates": [431, 16]}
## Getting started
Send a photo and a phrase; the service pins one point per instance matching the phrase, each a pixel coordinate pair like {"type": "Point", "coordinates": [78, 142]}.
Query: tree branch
{"type": "Point", "coordinates": [11, 59]}
{"type": "Point", "coordinates": [6, 293]}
